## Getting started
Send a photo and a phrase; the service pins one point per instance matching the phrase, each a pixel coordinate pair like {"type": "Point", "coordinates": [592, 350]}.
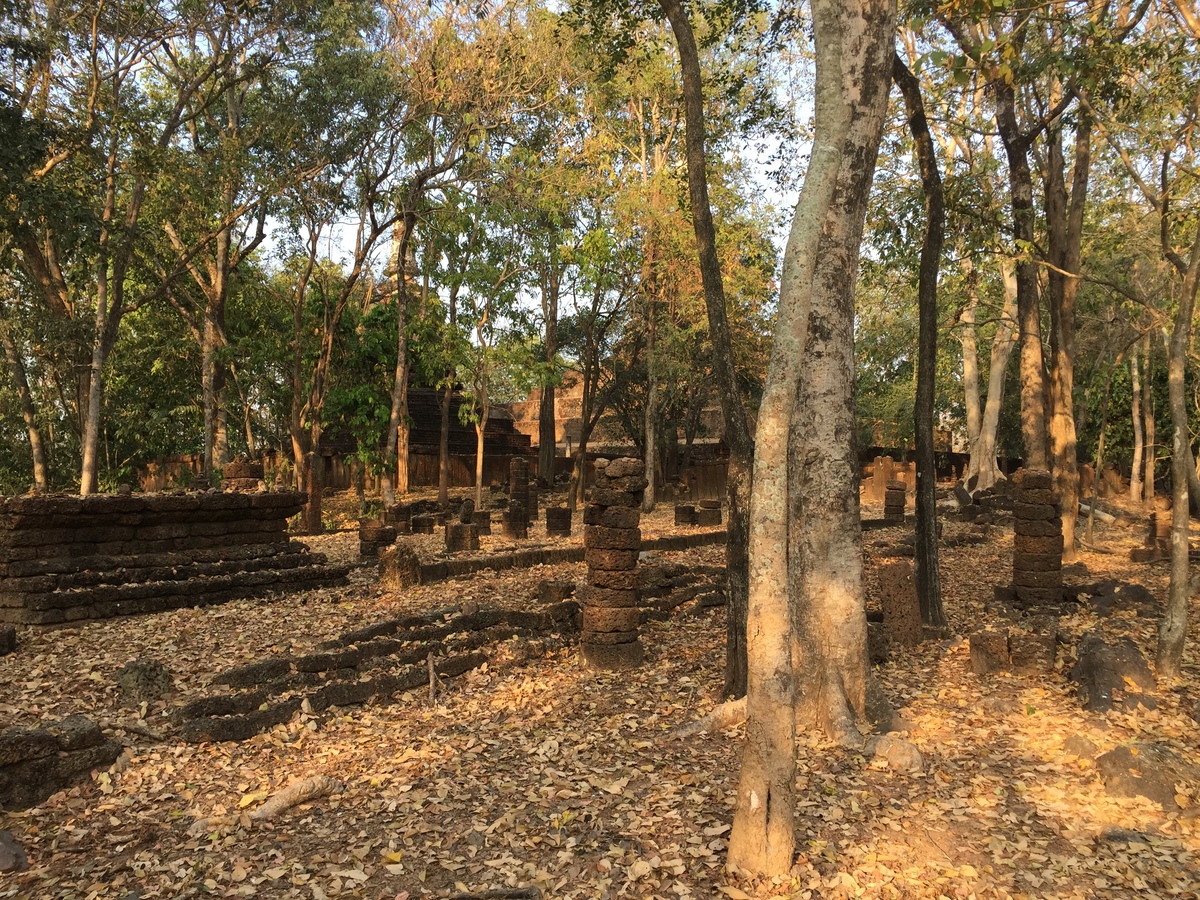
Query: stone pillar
{"type": "Point", "coordinates": [895, 499]}
{"type": "Point", "coordinates": [373, 536]}
{"type": "Point", "coordinates": [518, 483]}
{"type": "Point", "coordinates": [482, 520]}
{"type": "Point", "coordinates": [612, 541]}
{"type": "Point", "coordinates": [1038, 540]}
{"type": "Point", "coordinates": [531, 510]}
{"type": "Point", "coordinates": [516, 523]}
{"type": "Point", "coordinates": [558, 521]}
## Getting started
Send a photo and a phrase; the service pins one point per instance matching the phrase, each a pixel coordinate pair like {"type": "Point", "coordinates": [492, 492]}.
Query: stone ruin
{"type": "Point", "coordinates": [69, 558]}
{"type": "Point", "coordinates": [464, 534]}
{"type": "Point", "coordinates": [894, 500]}
{"type": "Point", "coordinates": [38, 762]}
{"type": "Point", "coordinates": [1037, 541]}
{"type": "Point", "coordinates": [243, 476]}
{"type": "Point", "coordinates": [709, 513]}
{"type": "Point", "coordinates": [558, 521]}
{"type": "Point", "coordinates": [899, 604]}
{"type": "Point", "coordinates": [612, 541]}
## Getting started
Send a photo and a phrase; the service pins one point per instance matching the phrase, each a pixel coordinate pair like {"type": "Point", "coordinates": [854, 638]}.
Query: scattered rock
{"type": "Point", "coordinates": [1080, 747]}
{"type": "Point", "coordinates": [12, 855]}
{"type": "Point", "coordinates": [989, 651]}
{"type": "Point", "coordinates": [1102, 668]}
{"type": "Point", "coordinates": [8, 640]}
{"type": "Point", "coordinates": [1148, 770]}
{"type": "Point", "coordinates": [1107, 598]}
{"type": "Point", "coordinates": [144, 681]}
{"type": "Point", "coordinates": [899, 754]}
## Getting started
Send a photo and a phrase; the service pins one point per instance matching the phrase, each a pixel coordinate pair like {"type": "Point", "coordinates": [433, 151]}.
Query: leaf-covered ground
{"type": "Point", "coordinates": [553, 776]}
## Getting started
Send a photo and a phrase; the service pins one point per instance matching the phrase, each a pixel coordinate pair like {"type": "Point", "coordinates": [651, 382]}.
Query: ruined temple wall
{"type": "Point", "coordinates": [65, 558]}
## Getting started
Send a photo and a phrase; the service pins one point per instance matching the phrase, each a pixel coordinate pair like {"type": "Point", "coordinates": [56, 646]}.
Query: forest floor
{"type": "Point", "coordinates": [552, 776]}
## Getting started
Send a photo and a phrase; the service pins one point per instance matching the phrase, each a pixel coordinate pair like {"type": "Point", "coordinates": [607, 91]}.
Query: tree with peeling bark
{"type": "Point", "coordinates": [807, 645]}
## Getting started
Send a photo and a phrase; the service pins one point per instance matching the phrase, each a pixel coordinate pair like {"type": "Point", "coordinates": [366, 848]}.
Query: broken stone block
{"type": "Point", "coordinates": [1103, 667]}
{"type": "Point", "coordinates": [12, 855]}
{"type": "Point", "coordinates": [1032, 653]}
{"type": "Point", "coordinates": [989, 651]}
{"type": "Point", "coordinates": [1148, 770]}
{"type": "Point", "coordinates": [399, 567]}
{"type": "Point", "coordinates": [461, 538]}
{"type": "Point", "coordinates": [555, 591]}
{"type": "Point", "coordinates": [898, 600]}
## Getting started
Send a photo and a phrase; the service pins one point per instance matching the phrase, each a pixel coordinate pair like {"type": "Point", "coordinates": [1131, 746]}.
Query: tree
{"type": "Point", "coordinates": [806, 647]}
{"type": "Point", "coordinates": [929, 591]}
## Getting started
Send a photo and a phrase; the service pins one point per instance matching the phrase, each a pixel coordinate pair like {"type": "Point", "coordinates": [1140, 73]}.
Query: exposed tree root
{"type": "Point", "coordinates": [727, 715]}
{"type": "Point", "coordinates": [294, 794]}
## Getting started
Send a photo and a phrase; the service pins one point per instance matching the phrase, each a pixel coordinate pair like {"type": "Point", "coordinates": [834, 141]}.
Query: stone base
{"type": "Point", "coordinates": [708, 517]}
{"type": "Point", "coordinates": [613, 657]}
{"type": "Point", "coordinates": [460, 538]}
{"type": "Point", "coordinates": [685, 514]}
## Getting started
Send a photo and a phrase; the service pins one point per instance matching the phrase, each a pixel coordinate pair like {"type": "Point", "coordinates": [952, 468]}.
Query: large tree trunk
{"type": "Point", "coordinates": [1172, 629]}
{"type": "Point", "coordinates": [737, 427]}
{"type": "Point", "coordinates": [1066, 241]}
{"type": "Point", "coordinates": [929, 584]}
{"type": "Point", "coordinates": [1139, 436]}
{"type": "Point", "coordinates": [853, 46]}
{"type": "Point", "coordinates": [395, 455]}
{"type": "Point", "coordinates": [1033, 367]}
{"type": "Point", "coordinates": [982, 464]}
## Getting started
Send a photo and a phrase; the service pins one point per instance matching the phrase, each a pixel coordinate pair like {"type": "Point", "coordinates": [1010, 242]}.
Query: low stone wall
{"type": "Point", "coordinates": [38, 762]}
{"type": "Point", "coordinates": [65, 559]}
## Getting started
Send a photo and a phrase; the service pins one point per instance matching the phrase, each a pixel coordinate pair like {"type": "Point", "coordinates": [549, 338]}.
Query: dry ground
{"type": "Point", "coordinates": [553, 776]}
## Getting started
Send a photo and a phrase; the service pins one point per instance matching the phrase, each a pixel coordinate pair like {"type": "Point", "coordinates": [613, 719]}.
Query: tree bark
{"type": "Point", "coordinates": [1172, 629]}
{"type": "Point", "coordinates": [650, 497]}
{"type": "Point", "coordinates": [1065, 221]}
{"type": "Point", "coordinates": [1150, 451]}
{"type": "Point", "coordinates": [1139, 440]}
{"type": "Point", "coordinates": [1033, 368]}
{"type": "Point", "coordinates": [395, 468]}
{"type": "Point", "coordinates": [16, 368]}
{"type": "Point", "coordinates": [733, 411]}
{"type": "Point", "coordinates": [547, 428]}
{"type": "Point", "coordinates": [853, 50]}
{"type": "Point", "coordinates": [929, 586]}
{"type": "Point", "coordinates": [982, 463]}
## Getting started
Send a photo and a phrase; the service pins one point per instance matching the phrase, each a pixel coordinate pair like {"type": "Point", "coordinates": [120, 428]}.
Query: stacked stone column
{"type": "Point", "coordinates": [516, 517]}
{"type": "Point", "coordinates": [612, 541]}
{"type": "Point", "coordinates": [1038, 540]}
{"type": "Point", "coordinates": [894, 499]}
